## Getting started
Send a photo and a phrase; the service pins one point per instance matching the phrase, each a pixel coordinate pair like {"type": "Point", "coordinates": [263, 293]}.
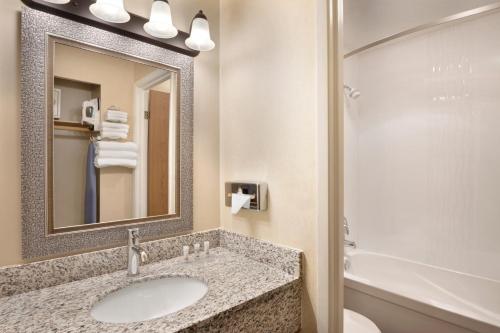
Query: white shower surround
{"type": "Point", "coordinates": [422, 156]}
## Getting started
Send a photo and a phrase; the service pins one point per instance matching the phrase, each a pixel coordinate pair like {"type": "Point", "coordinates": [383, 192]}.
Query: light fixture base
{"type": "Point", "coordinates": [58, 2]}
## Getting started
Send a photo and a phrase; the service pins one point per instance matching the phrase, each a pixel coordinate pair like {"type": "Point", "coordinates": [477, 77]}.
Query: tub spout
{"type": "Point", "coordinates": [351, 244]}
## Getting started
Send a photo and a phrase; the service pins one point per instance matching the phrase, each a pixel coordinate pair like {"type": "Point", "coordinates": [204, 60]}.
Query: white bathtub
{"type": "Point", "coordinates": [466, 301]}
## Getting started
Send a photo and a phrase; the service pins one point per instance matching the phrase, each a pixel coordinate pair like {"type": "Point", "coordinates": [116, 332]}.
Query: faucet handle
{"type": "Point", "coordinates": [347, 231]}
{"type": "Point", "coordinates": [206, 247]}
{"type": "Point", "coordinates": [196, 250]}
{"type": "Point", "coordinates": [185, 252]}
{"type": "Point", "coordinates": [144, 256]}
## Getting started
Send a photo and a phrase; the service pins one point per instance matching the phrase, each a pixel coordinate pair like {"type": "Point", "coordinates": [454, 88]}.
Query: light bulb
{"type": "Point", "coordinates": [199, 38]}
{"type": "Point", "coordinates": [110, 11]}
{"type": "Point", "coordinates": [160, 21]}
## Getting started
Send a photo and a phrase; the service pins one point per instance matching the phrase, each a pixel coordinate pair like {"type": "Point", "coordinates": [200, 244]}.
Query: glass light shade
{"type": "Point", "coordinates": [199, 39]}
{"type": "Point", "coordinates": [160, 21]}
{"type": "Point", "coordinates": [110, 11]}
{"type": "Point", "coordinates": [58, 2]}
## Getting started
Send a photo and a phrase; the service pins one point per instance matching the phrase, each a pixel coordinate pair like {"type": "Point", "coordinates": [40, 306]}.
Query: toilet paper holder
{"type": "Point", "coordinates": [257, 190]}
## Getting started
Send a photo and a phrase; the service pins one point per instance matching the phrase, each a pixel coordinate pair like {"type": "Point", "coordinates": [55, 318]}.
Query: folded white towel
{"type": "Point", "coordinates": [116, 114]}
{"type": "Point", "coordinates": [115, 130]}
{"type": "Point", "coordinates": [110, 125]}
{"type": "Point", "coordinates": [116, 120]}
{"type": "Point", "coordinates": [115, 117]}
{"type": "Point", "coordinates": [117, 154]}
{"type": "Point", "coordinates": [109, 162]}
{"type": "Point", "coordinates": [109, 145]}
{"type": "Point", "coordinates": [107, 134]}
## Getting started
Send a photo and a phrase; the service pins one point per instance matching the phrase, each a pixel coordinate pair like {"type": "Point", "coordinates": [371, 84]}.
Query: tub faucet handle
{"type": "Point", "coordinates": [347, 231]}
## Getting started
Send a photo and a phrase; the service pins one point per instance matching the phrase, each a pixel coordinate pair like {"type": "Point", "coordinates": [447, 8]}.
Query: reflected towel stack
{"type": "Point", "coordinates": [110, 130]}
{"type": "Point", "coordinates": [110, 154]}
{"type": "Point", "coordinates": [116, 116]}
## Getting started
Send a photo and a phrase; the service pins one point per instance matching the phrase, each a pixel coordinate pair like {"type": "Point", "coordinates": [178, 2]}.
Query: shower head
{"type": "Point", "coordinates": [351, 93]}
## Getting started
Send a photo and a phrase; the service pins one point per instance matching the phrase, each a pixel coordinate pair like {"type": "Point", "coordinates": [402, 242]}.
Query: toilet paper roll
{"type": "Point", "coordinates": [238, 201]}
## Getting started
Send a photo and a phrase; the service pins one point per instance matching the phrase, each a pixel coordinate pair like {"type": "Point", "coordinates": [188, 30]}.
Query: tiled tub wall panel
{"type": "Point", "coordinates": [422, 158]}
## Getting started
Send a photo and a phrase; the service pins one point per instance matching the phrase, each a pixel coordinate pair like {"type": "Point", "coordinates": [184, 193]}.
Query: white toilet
{"type": "Point", "coordinates": [356, 323]}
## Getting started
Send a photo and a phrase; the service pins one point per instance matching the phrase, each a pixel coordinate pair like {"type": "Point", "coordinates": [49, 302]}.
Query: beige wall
{"type": "Point", "coordinates": [268, 123]}
{"type": "Point", "coordinates": [206, 126]}
{"type": "Point", "coordinates": [10, 148]}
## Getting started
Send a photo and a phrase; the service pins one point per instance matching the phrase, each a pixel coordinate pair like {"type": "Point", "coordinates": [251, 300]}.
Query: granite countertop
{"type": "Point", "coordinates": [233, 280]}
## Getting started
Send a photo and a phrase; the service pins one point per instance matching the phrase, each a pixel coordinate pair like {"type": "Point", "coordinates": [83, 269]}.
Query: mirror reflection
{"type": "Point", "coordinates": [115, 146]}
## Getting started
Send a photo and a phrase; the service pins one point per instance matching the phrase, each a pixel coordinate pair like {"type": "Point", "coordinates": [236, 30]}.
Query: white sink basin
{"type": "Point", "coordinates": [149, 300]}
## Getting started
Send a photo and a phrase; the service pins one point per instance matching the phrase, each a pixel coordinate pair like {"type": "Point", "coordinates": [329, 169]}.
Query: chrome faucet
{"type": "Point", "coordinates": [136, 254]}
{"type": "Point", "coordinates": [347, 231]}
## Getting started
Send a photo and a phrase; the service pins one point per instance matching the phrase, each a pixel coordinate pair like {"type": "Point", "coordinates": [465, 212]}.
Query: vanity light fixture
{"type": "Point", "coordinates": [110, 15]}
{"type": "Point", "coordinates": [199, 38]}
{"type": "Point", "coordinates": [58, 2]}
{"type": "Point", "coordinates": [160, 21]}
{"type": "Point", "coordinates": [110, 11]}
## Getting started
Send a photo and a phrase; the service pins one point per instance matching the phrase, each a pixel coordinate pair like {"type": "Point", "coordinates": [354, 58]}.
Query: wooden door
{"type": "Point", "coordinates": [158, 124]}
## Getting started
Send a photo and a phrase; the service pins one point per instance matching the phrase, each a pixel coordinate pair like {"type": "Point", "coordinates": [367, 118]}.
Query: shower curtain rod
{"type": "Point", "coordinates": [448, 19]}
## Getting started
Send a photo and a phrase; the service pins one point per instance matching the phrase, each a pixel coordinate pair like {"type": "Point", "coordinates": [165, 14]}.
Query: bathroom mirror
{"type": "Point", "coordinates": [106, 137]}
{"type": "Point", "coordinates": [114, 137]}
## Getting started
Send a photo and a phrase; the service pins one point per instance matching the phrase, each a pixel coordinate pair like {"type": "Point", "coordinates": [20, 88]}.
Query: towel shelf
{"type": "Point", "coordinates": [72, 126]}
